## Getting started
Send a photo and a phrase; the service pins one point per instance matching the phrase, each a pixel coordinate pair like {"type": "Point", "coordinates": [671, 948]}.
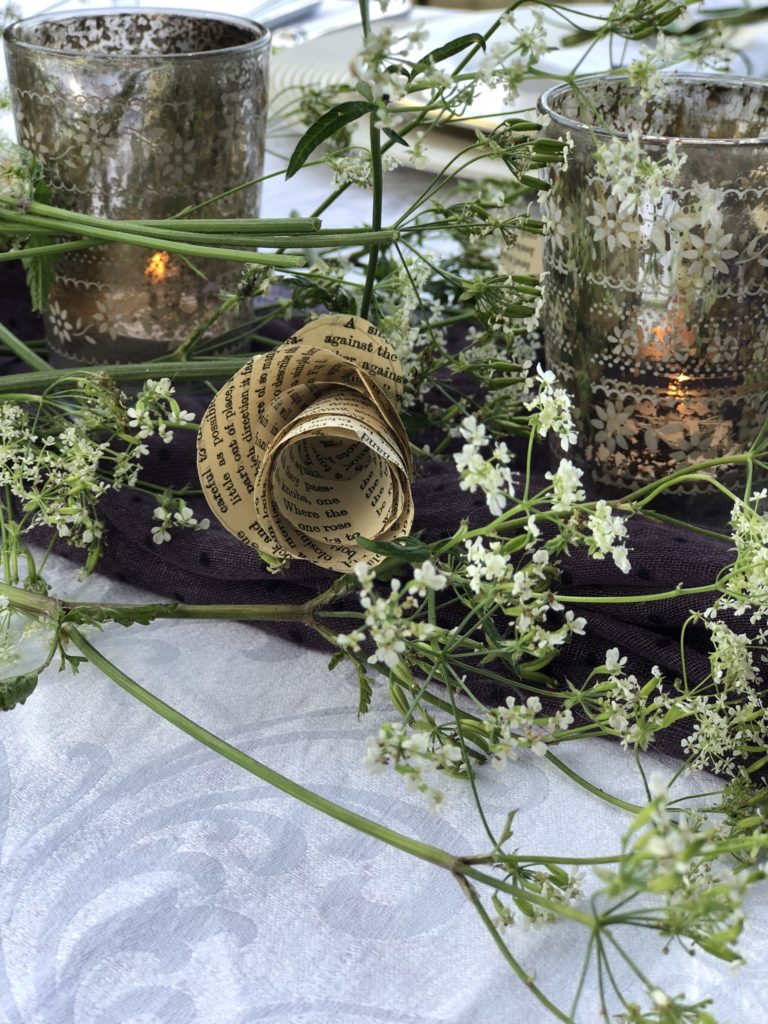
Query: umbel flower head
{"type": "Point", "coordinates": [303, 450]}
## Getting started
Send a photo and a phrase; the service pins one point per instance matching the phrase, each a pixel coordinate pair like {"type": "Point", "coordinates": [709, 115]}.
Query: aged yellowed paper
{"type": "Point", "coordinates": [303, 450]}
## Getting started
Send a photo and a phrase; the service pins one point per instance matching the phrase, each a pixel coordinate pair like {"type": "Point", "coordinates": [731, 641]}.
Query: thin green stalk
{"type": "Point", "coordinates": [45, 250]}
{"type": "Point", "coordinates": [17, 346]}
{"type": "Point", "coordinates": [249, 225]}
{"type": "Point", "coordinates": [377, 183]}
{"type": "Point", "coordinates": [561, 909]}
{"type": "Point", "coordinates": [423, 851]}
{"type": "Point", "coordinates": [153, 242]}
{"type": "Point", "coordinates": [522, 974]}
{"type": "Point", "coordinates": [636, 598]}
{"type": "Point", "coordinates": [41, 604]}
{"type": "Point", "coordinates": [615, 801]}
{"type": "Point", "coordinates": [203, 369]}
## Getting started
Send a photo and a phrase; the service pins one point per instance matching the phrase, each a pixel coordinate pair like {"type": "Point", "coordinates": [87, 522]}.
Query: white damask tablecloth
{"type": "Point", "coordinates": [143, 880]}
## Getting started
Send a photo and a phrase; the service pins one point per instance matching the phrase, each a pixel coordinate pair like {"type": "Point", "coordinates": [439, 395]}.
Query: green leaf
{"type": "Point", "coordinates": [39, 272]}
{"type": "Point", "coordinates": [406, 549]}
{"type": "Point", "coordinates": [448, 50]}
{"type": "Point", "coordinates": [128, 615]}
{"type": "Point", "coordinates": [326, 126]}
{"type": "Point", "coordinates": [523, 906]}
{"type": "Point", "coordinates": [395, 136]}
{"type": "Point", "coordinates": [536, 183]}
{"type": "Point", "coordinates": [366, 689]}
{"type": "Point", "coordinates": [506, 832]}
{"type": "Point", "coordinates": [365, 91]}
{"type": "Point", "coordinates": [336, 659]}
{"type": "Point", "coordinates": [15, 689]}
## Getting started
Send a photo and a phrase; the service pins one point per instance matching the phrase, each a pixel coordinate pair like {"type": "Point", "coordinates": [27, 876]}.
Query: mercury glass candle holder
{"type": "Point", "coordinates": [137, 114]}
{"type": "Point", "coordinates": [656, 247]}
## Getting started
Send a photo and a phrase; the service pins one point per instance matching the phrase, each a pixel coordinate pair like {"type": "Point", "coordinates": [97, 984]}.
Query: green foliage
{"type": "Point", "coordinates": [123, 615]}
{"type": "Point", "coordinates": [404, 549]}
{"type": "Point", "coordinates": [449, 49]}
{"type": "Point", "coordinates": [366, 689]}
{"type": "Point", "coordinates": [39, 271]}
{"type": "Point", "coordinates": [14, 690]}
{"type": "Point", "coordinates": [325, 127]}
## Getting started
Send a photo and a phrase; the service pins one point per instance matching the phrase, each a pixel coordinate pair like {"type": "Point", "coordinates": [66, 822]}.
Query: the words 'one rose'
{"type": "Point", "coordinates": [303, 450]}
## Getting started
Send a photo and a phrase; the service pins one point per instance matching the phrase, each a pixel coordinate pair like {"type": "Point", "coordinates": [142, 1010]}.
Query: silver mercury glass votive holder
{"type": "Point", "coordinates": [656, 248]}
{"type": "Point", "coordinates": [137, 114]}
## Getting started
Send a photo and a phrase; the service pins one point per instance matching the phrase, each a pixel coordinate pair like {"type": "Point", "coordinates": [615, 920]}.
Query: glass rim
{"type": "Point", "coordinates": [544, 105]}
{"type": "Point", "coordinates": [261, 40]}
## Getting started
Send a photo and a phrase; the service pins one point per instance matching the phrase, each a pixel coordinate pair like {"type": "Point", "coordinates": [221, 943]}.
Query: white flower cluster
{"type": "Point", "coordinates": [552, 406]}
{"type": "Point", "coordinates": [630, 708]}
{"type": "Point", "coordinates": [566, 486]}
{"type": "Point", "coordinates": [354, 167]}
{"type": "Point", "coordinates": [668, 853]}
{"type": "Point", "coordinates": [522, 591]}
{"type": "Point", "coordinates": [155, 409]}
{"type": "Point", "coordinates": [646, 71]}
{"type": "Point", "coordinates": [55, 477]}
{"type": "Point", "coordinates": [412, 752]}
{"type": "Point", "coordinates": [747, 583]}
{"type": "Point", "coordinates": [14, 170]}
{"type": "Point", "coordinates": [606, 532]}
{"type": "Point", "coordinates": [507, 63]}
{"type": "Point", "coordinates": [382, 65]}
{"type": "Point", "coordinates": [516, 727]}
{"type": "Point", "coordinates": [729, 716]}
{"type": "Point", "coordinates": [59, 466]}
{"type": "Point", "coordinates": [491, 475]}
{"type": "Point", "coordinates": [705, 49]}
{"type": "Point", "coordinates": [637, 180]}
{"type": "Point", "coordinates": [174, 513]}
{"type": "Point", "coordinates": [557, 886]}
{"type": "Point", "coordinates": [389, 620]}
{"type": "Point", "coordinates": [407, 308]}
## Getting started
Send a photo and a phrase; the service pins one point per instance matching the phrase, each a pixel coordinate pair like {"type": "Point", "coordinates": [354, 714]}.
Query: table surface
{"type": "Point", "coordinates": [143, 880]}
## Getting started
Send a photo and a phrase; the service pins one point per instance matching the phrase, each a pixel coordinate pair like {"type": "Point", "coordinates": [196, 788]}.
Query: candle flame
{"type": "Point", "coordinates": [157, 267]}
{"type": "Point", "coordinates": [675, 388]}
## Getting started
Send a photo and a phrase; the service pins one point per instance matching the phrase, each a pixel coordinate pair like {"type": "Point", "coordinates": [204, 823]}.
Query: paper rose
{"type": "Point", "coordinates": [303, 450]}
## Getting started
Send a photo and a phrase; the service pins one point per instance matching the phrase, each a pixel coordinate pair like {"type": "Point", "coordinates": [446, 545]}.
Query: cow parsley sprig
{"type": "Point", "coordinates": [60, 455]}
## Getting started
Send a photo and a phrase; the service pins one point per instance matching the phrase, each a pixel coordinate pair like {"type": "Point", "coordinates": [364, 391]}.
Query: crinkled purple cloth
{"type": "Point", "coordinates": [213, 567]}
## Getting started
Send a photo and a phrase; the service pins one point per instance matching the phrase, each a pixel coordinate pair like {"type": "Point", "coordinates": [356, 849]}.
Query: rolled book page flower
{"type": "Point", "coordinates": [303, 450]}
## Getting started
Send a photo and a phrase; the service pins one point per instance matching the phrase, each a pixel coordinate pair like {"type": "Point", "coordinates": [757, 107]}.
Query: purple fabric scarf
{"type": "Point", "coordinates": [213, 567]}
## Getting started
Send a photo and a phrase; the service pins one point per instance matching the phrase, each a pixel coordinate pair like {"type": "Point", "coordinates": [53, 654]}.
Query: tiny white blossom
{"type": "Point", "coordinates": [428, 578]}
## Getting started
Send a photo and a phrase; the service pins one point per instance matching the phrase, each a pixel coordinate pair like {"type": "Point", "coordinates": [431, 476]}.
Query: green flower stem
{"type": "Point", "coordinates": [17, 346]}
{"type": "Point", "coordinates": [636, 598]}
{"type": "Point", "coordinates": [246, 225]}
{"type": "Point", "coordinates": [623, 805]}
{"type": "Point", "coordinates": [423, 851]}
{"type": "Point", "coordinates": [471, 894]}
{"type": "Point", "coordinates": [130, 373]}
{"type": "Point", "coordinates": [52, 608]}
{"type": "Point", "coordinates": [648, 491]}
{"type": "Point", "coordinates": [561, 909]}
{"type": "Point", "coordinates": [253, 226]}
{"type": "Point", "coordinates": [183, 351]}
{"type": "Point", "coordinates": [229, 192]}
{"type": "Point", "coordinates": [377, 182]}
{"type": "Point", "coordinates": [692, 475]}
{"type": "Point", "coordinates": [315, 239]}
{"type": "Point", "coordinates": [153, 242]}
{"type": "Point", "coordinates": [45, 250]}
